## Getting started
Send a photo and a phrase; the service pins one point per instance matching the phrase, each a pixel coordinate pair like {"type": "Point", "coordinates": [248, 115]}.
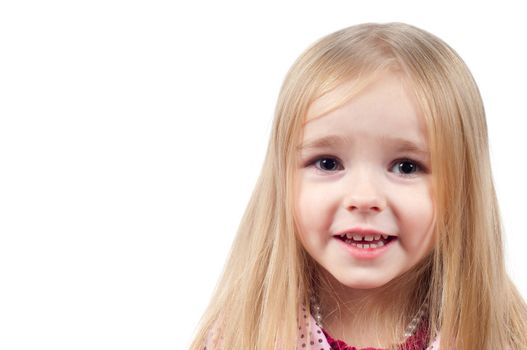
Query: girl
{"type": "Point", "coordinates": [374, 222]}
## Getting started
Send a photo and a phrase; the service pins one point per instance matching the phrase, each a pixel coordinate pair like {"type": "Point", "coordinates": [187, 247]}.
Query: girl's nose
{"type": "Point", "coordinates": [365, 204]}
{"type": "Point", "coordinates": [364, 195]}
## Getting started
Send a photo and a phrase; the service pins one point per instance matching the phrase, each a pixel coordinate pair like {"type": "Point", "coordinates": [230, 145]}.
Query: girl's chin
{"type": "Point", "coordinates": [366, 282]}
{"type": "Point", "coordinates": [363, 285]}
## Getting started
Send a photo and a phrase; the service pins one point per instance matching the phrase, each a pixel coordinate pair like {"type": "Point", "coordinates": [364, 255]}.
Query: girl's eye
{"type": "Point", "coordinates": [406, 167]}
{"type": "Point", "coordinates": [326, 164]}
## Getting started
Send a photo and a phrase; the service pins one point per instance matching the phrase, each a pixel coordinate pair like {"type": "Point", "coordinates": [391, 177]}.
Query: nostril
{"type": "Point", "coordinates": [372, 208]}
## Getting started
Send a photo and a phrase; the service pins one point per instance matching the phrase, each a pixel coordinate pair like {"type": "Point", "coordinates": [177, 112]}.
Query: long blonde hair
{"type": "Point", "coordinates": [473, 303]}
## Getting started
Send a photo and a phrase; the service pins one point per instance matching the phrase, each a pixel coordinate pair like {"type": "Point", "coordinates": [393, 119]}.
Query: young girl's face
{"type": "Point", "coordinates": [364, 170]}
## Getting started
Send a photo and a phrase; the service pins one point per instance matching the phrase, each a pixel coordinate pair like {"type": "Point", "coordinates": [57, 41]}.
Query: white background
{"type": "Point", "coordinates": [132, 134]}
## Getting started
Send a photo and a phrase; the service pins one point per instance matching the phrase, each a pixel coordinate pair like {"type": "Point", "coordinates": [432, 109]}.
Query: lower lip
{"type": "Point", "coordinates": [366, 253]}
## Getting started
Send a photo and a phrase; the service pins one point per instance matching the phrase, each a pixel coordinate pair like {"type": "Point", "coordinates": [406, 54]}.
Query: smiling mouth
{"type": "Point", "coordinates": [371, 242]}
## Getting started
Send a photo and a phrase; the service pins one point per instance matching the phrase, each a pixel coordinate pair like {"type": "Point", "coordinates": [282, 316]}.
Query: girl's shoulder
{"type": "Point", "coordinates": [435, 344]}
{"type": "Point", "coordinates": [310, 334]}
{"type": "Point", "coordinates": [214, 340]}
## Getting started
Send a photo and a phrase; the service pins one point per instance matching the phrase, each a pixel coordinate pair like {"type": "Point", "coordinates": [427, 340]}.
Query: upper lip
{"type": "Point", "coordinates": [363, 231]}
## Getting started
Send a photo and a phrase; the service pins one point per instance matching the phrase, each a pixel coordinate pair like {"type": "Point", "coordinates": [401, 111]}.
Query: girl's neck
{"type": "Point", "coordinates": [367, 317]}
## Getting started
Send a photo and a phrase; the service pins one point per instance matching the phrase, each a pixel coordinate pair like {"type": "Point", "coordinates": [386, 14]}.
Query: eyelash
{"type": "Point", "coordinates": [420, 167]}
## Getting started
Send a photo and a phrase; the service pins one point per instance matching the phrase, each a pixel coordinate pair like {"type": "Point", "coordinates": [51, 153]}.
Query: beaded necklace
{"type": "Point", "coordinates": [409, 331]}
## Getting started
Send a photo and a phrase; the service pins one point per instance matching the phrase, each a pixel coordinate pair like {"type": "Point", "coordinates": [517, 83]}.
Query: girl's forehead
{"type": "Point", "coordinates": [389, 83]}
{"type": "Point", "coordinates": [330, 101]}
{"type": "Point", "coordinates": [389, 90]}
{"type": "Point", "coordinates": [383, 108]}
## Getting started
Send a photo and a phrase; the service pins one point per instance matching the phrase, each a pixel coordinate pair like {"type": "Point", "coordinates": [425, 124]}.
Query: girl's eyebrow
{"type": "Point", "coordinates": [323, 142]}
{"type": "Point", "coordinates": [397, 143]}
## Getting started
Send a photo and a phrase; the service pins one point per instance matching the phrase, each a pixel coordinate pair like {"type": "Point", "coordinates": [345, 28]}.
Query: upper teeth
{"type": "Point", "coordinates": [358, 237]}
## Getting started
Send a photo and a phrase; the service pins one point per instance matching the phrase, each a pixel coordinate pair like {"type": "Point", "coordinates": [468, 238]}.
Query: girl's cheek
{"type": "Point", "coordinates": [416, 219]}
{"type": "Point", "coordinates": [312, 212]}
